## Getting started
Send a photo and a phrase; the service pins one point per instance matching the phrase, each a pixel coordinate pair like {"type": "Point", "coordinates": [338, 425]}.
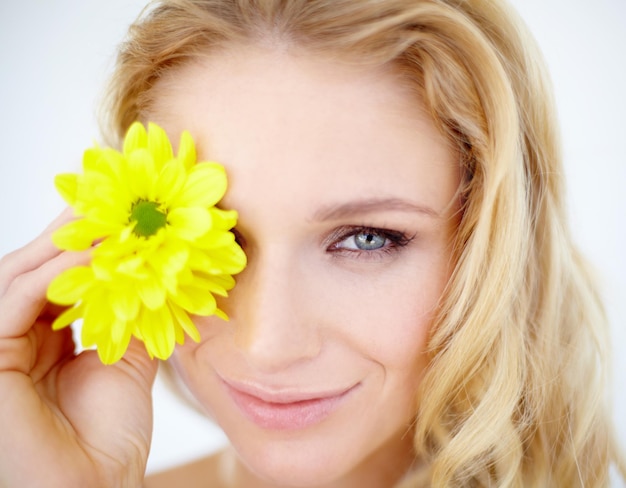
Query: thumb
{"type": "Point", "coordinates": [138, 363]}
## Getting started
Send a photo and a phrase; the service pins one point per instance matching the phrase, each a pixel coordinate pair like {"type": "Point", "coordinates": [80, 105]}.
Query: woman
{"type": "Point", "coordinates": [413, 311]}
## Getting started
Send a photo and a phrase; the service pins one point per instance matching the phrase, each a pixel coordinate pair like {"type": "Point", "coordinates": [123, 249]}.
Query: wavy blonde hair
{"type": "Point", "coordinates": [515, 391]}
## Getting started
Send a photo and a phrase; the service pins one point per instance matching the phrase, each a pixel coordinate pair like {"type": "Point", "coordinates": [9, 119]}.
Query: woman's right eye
{"type": "Point", "coordinates": [239, 239]}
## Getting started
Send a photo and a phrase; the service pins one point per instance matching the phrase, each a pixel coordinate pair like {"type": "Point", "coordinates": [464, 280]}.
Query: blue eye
{"type": "Point", "coordinates": [368, 241]}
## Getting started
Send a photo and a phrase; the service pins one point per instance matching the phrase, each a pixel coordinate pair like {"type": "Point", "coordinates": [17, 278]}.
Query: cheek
{"type": "Point", "coordinates": [388, 320]}
{"type": "Point", "coordinates": [187, 361]}
{"type": "Point", "coordinates": [392, 332]}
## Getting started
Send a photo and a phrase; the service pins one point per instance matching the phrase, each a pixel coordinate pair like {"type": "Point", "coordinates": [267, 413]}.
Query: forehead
{"type": "Point", "coordinates": [286, 126]}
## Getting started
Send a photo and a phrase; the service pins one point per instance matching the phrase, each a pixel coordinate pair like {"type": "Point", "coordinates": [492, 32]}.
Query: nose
{"type": "Point", "coordinates": [273, 311]}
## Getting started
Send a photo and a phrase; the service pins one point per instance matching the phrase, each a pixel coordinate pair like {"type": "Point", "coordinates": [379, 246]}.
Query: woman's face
{"type": "Point", "coordinates": [346, 199]}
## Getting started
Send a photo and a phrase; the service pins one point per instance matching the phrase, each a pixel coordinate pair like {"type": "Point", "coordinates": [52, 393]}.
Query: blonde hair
{"type": "Point", "coordinates": [515, 391]}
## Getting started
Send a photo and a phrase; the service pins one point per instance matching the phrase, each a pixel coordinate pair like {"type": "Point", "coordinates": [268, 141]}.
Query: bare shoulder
{"type": "Point", "coordinates": [204, 472]}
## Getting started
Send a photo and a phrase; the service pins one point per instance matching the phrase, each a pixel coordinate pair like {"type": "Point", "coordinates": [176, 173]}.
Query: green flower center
{"type": "Point", "coordinates": [149, 218]}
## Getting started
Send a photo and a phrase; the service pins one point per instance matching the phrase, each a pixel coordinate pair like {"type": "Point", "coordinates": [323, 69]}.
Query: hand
{"type": "Point", "coordinates": [66, 420]}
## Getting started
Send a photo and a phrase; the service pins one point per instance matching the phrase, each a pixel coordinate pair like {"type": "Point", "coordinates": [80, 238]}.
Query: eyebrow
{"type": "Point", "coordinates": [371, 205]}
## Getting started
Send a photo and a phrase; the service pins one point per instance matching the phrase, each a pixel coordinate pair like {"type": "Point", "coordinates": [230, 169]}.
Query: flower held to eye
{"type": "Point", "coordinates": [163, 249]}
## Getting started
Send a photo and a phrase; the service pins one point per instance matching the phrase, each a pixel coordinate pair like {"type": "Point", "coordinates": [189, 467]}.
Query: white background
{"type": "Point", "coordinates": [54, 58]}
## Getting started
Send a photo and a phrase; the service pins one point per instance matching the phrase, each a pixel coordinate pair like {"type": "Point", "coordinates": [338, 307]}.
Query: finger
{"type": "Point", "coordinates": [37, 352]}
{"type": "Point", "coordinates": [25, 296]}
{"type": "Point", "coordinates": [52, 347]}
{"type": "Point", "coordinates": [32, 255]}
{"type": "Point", "coordinates": [63, 218]}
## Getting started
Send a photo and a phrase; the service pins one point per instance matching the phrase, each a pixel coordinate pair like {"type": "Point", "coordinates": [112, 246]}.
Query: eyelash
{"type": "Point", "coordinates": [394, 241]}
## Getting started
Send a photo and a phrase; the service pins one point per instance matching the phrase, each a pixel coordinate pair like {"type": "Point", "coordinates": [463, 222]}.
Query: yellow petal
{"type": "Point", "coordinates": [69, 287]}
{"type": "Point", "coordinates": [112, 348]}
{"type": "Point", "coordinates": [93, 187]}
{"type": "Point", "coordinates": [194, 300]}
{"type": "Point", "coordinates": [91, 157]}
{"type": "Point", "coordinates": [179, 333]}
{"type": "Point", "coordinates": [189, 223]}
{"type": "Point", "coordinates": [159, 146]}
{"type": "Point", "coordinates": [184, 278]}
{"type": "Point", "coordinates": [107, 184]}
{"type": "Point", "coordinates": [187, 150]}
{"type": "Point", "coordinates": [157, 330]}
{"type": "Point", "coordinates": [97, 317]}
{"type": "Point", "coordinates": [170, 259]}
{"type": "Point", "coordinates": [132, 266]}
{"type": "Point", "coordinates": [170, 181]}
{"type": "Point", "coordinates": [215, 286]}
{"type": "Point", "coordinates": [225, 281]}
{"type": "Point", "coordinates": [66, 184]}
{"type": "Point", "coordinates": [124, 303]}
{"type": "Point", "coordinates": [113, 164]}
{"type": "Point", "coordinates": [185, 322]}
{"type": "Point", "coordinates": [78, 235]}
{"type": "Point", "coordinates": [223, 260]}
{"type": "Point", "coordinates": [205, 186]}
{"type": "Point", "coordinates": [136, 138]}
{"type": "Point", "coordinates": [215, 239]}
{"type": "Point", "coordinates": [120, 332]}
{"type": "Point", "coordinates": [67, 317]}
{"type": "Point", "coordinates": [151, 292]}
{"type": "Point", "coordinates": [141, 174]}
{"type": "Point", "coordinates": [223, 219]}
{"type": "Point", "coordinates": [221, 314]}
{"type": "Point", "coordinates": [111, 218]}
{"type": "Point", "coordinates": [102, 329]}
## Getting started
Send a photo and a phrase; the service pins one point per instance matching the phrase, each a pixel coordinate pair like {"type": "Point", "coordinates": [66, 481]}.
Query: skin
{"type": "Point", "coordinates": [315, 151]}
{"type": "Point", "coordinates": [52, 397]}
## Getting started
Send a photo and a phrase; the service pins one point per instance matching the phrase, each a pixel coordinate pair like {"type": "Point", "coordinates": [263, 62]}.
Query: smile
{"type": "Point", "coordinates": [286, 411]}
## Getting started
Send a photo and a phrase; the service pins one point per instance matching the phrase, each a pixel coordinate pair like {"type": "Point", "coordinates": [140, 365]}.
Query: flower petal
{"type": "Point", "coordinates": [215, 239]}
{"type": "Point", "coordinates": [113, 164]}
{"type": "Point", "coordinates": [222, 260]}
{"type": "Point", "coordinates": [185, 321]}
{"type": "Point", "coordinates": [97, 318]}
{"type": "Point", "coordinates": [187, 150]}
{"type": "Point", "coordinates": [159, 146]}
{"type": "Point", "coordinates": [157, 330]}
{"type": "Point", "coordinates": [170, 181]}
{"type": "Point", "coordinates": [141, 174]}
{"type": "Point", "coordinates": [67, 184]}
{"type": "Point", "coordinates": [124, 303]}
{"type": "Point", "coordinates": [188, 223]}
{"type": "Point", "coordinates": [179, 333]}
{"type": "Point", "coordinates": [78, 235]}
{"type": "Point", "coordinates": [210, 285]}
{"type": "Point", "coordinates": [221, 314]}
{"type": "Point", "coordinates": [136, 138]}
{"type": "Point", "coordinates": [194, 300]}
{"type": "Point", "coordinates": [111, 349]}
{"type": "Point", "coordinates": [69, 287]}
{"type": "Point", "coordinates": [170, 259]}
{"type": "Point", "coordinates": [205, 186]}
{"type": "Point", "coordinates": [151, 292]}
{"type": "Point", "coordinates": [223, 219]}
{"type": "Point", "coordinates": [67, 317]}
{"type": "Point", "coordinates": [132, 266]}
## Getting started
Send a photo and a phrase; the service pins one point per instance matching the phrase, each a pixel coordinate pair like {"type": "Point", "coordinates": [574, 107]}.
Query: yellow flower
{"type": "Point", "coordinates": [162, 249]}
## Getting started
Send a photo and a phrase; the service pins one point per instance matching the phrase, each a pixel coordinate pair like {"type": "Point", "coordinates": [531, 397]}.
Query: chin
{"type": "Point", "coordinates": [295, 466]}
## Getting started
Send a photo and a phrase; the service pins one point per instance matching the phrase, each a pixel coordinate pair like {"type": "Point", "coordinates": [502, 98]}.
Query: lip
{"type": "Point", "coordinates": [285, 410]}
